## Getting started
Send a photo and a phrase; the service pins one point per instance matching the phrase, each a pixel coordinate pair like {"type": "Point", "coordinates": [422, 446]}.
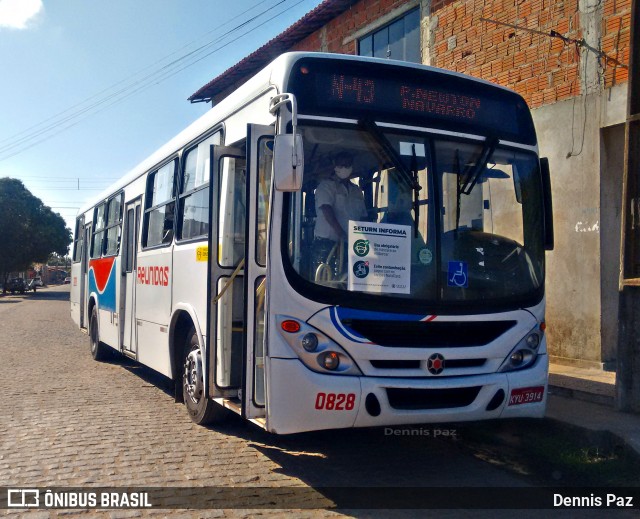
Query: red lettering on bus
{"type": "Point", "coordinates": [157, 276]}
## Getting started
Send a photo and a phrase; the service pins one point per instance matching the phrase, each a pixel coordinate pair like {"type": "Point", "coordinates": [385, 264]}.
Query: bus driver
{"type": "Point", "coordinates": [338, 200]}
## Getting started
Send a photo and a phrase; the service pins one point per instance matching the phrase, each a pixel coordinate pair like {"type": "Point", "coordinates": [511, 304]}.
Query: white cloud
{"type": "Point", "coordinates": [16, 13]}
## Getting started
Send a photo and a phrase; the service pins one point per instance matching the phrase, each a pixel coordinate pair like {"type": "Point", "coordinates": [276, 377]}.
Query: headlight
{"type": "Point", "coordinates": [316, 351]}
{"type": "Point", "coordinates": [524, 354]}
{"type": "Point", "coordinates": [329, 360]}
{"type": "Point", "coordinates": [533, 340]}
{"type": "Point", "coordinates": [310, 342]}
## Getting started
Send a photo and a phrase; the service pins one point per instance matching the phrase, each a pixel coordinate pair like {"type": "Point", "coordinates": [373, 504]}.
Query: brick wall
{"type": "Point", "coordinates": [542, 69]}
{"type": "Point", "coordinates": [616, 32]}
{"type": "Point", "coordinates": [330, 38]}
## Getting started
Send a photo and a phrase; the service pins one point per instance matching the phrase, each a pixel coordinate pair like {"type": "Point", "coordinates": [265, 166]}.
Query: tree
{"type": "Point", "coordinates": [29, 230]}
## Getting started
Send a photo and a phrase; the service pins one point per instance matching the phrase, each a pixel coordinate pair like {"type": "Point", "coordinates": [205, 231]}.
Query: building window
{"type": "Point", "coordinates": [399, 40]}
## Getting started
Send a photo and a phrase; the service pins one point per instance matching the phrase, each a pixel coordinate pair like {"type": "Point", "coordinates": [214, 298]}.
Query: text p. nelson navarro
{"type": "Point", "coordinates": [608, 501]}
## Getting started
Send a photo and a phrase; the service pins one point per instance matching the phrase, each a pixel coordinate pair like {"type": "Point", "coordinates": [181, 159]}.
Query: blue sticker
{"type": "Point", "coordinates": [457, 275]}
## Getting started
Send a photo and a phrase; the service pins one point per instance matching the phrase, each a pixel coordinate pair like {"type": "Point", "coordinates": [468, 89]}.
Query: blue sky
{"type": "Point", "coordinates": [55, 54]}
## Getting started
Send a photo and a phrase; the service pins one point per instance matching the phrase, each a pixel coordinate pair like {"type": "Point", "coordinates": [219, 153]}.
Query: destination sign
{"type": "Point", "coordinates": [398, 96]}
{"type": "Point", "coordinates": [430, 97]}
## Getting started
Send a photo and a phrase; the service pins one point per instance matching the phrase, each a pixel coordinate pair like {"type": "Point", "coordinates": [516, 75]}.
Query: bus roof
{"type": "Point", "coordinates": [275, 75]}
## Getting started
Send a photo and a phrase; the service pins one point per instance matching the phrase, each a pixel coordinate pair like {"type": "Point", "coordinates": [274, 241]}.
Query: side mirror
{"type": "Point", "coordinates": [288, 162]}
{"type": "Point", "coordinates": [548, 206]}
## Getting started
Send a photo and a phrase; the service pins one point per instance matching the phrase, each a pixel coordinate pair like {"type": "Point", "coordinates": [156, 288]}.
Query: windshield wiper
{"type": "Point", "coordinates": [471, 177]}
{"type": "Point", "coordinates": [410, 177]}
{"type": "Point", "coordinates": [416, 189]}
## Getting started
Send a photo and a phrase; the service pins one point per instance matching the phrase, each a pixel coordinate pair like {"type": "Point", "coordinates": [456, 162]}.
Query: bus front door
{"type": "Point", "coordinates": [239, 205]}
{"type": "Point", "coordinates": [260, 161]}
{"type": "Point", "coordinates": [225, 309]}
{"type": "Point", "coordinates": [129, 272]}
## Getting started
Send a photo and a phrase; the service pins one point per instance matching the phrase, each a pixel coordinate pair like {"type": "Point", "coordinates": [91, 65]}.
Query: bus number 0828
{"type": "Point", "coordinates": [335, 401]}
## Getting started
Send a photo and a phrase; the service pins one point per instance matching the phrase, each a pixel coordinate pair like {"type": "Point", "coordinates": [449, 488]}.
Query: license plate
{"type": "Point", "coordinates": [526, 395]}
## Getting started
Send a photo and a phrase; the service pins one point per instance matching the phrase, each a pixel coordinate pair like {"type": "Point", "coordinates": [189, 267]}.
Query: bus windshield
{"type": "Point", "coordinates": [387, 212]}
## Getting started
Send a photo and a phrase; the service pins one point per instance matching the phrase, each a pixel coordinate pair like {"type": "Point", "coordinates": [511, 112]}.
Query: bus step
{"type": "Point", "coordinates": [232, 404]}
{"type": "Point", "coordinates": [260, 422]}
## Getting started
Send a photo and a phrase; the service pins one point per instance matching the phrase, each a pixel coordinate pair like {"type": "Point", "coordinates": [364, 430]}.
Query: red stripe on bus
{"type": "Point", "coordinates": [102, 270]}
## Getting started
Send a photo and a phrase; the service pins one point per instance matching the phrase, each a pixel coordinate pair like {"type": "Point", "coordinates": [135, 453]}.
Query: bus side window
{"type": "Point", "coordinates": [114, 225]}
{"type": "Point", "coordinates": [193, 220]}
{"type": "Point", "coordinates": [160, 206]}
{"type": "Point", "coordinates": [78, 240]}
{"type": "Point", "coordinates": [98, 231]}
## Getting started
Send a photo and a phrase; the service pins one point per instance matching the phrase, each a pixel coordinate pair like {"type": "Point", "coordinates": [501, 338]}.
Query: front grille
{"type": "Point", "coordinates": [415, 399]}
{"type": "Point", "coordinates": [415, 364]}
{"type": "Point", "coordinates": [420, 334]}
{"type": "Point", "coordinates": [464, 363]}
{"type": "Point", "coordinates": [395, 364]}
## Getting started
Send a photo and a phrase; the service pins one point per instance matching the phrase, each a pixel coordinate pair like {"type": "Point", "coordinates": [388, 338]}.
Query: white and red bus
{"type": "Point", "coordinates": [203, 263]}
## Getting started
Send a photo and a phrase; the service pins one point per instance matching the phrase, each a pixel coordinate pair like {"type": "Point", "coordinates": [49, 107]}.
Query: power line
{"type": "Point", "coordinates": [165, 72]}
{"type": "Point", "coordinates": [76, 189]}
{"type": "Point", "coordinates": [26, 131]}
{"type": "Point", "coordinates": [10, 147]}
{"type": "Point", "coordinates": [72, 180]}
{"type": "Point", "coordinates": [554, 34]}
{"type": "Point", "coordinates": [65, 179]}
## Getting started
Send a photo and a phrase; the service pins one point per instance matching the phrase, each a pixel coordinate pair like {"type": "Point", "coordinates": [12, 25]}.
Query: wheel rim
{"type": "Point", "coordinates": [193, 382]}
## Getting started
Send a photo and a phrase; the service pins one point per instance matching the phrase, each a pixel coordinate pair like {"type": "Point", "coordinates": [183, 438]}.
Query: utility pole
{"type": "Point", "coordinates": [628, 369]}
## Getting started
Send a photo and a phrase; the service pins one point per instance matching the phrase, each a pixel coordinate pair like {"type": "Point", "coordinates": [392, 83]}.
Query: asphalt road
{"type": "Point", "coordinates": [68, 421]}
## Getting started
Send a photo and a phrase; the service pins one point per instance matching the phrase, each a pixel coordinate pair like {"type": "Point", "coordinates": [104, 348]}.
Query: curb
{"type": "Point", "coordinates": [584, 389]}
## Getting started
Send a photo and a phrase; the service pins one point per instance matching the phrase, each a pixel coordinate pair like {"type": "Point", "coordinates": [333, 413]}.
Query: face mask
{"type": "Point", "coordinates": [343, 172]}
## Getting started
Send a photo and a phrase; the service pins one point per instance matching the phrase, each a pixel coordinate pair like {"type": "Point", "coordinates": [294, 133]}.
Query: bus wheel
{"type": "Point", "coordinates": [201, 409]}
{"type": "Point", "coordinates": [98, 350]}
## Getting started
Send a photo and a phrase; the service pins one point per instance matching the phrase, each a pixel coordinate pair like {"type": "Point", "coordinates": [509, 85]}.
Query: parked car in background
{"type": "Point", "coordinates": [37, 282]}
{"type": "Point", "coordinates": [15, 285]}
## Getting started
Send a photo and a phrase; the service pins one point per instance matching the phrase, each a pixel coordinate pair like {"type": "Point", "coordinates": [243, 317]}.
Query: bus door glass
{"type": "Point", "coordinates": [226, 262]}
{"type": "Point", "coordinates": [129, 271]}
{"type": "Point", "coordinates": [84, 298]}
{"type": "Point", "coordinates": [260, 160]}
{"type": "Point", "coordinates": [78, 257]}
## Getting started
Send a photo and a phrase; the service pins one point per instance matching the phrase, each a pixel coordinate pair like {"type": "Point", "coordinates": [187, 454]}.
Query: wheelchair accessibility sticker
{"type": "Point", "coordinates": [457, 275]}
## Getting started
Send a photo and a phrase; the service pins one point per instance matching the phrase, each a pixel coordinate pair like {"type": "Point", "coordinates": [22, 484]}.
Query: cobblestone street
{"type": "Point", "coordinates": [67, 420]}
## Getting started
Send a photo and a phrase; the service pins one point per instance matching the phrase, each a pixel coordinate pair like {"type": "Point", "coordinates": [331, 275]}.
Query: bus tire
{"type": "Point", "coordinates": [98, 350]}
{"type": "Point", "coordinates": [202, 410]}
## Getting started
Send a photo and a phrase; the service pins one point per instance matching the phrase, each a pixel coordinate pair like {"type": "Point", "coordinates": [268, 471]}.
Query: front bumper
{"type": "Point", "coordinates": [301, 400]}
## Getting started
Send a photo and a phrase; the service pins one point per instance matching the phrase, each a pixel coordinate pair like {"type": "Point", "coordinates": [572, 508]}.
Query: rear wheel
{"type": "Point", "coordinates": [98, 350]}
{"type": "Point", "coordinates": [201, 409]}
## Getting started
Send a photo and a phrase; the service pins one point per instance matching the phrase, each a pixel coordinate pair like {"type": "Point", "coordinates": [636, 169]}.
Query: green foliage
{"type": "Point", "coordinates": [555, 454]}
{"type": "Point", "coordinates": [29, 230]}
